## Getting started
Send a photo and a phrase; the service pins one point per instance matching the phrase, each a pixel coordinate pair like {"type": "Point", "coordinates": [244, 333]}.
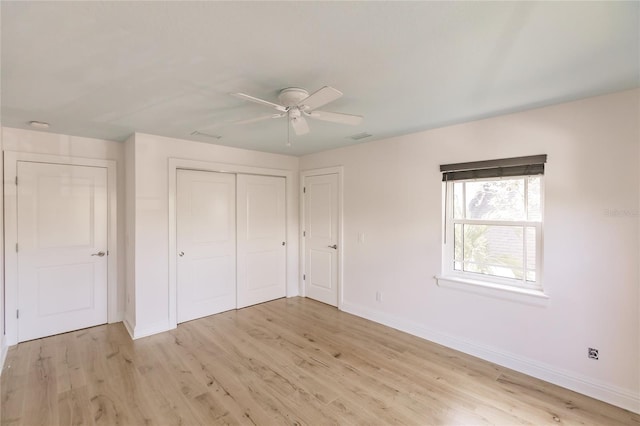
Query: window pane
{"type": "Point", "coordinates": [494, 250]}
{"type": "Point", "coordinates": [457, 242]}
{"type": "Point", "coordinates": [472, 267]}
{"type": "Point", "coordinates": [458, 200]}
{"type": "Point", "coordinates": [531, 248]}
{"type": "Point", "coordinates": [475, 243]}
{"type": "Point", "coordinates": [494, 271]}
{"type": "Point", "coordinates": [501, 199]}
{"type": "Point", "coordinates": [534, 210]}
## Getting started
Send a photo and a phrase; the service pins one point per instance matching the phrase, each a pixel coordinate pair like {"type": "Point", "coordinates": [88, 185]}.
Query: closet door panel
{"type": "Point", "coordinates": [261, 239]}
{"type": "Point", "coordinates": [206, 242]}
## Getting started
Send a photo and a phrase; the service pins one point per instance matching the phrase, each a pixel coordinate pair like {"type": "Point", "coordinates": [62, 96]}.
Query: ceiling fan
{"type": "Point", "coordinates": [296, 104]}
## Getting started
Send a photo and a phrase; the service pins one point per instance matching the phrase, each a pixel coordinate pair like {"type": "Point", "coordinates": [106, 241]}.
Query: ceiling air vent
{"type": "Point", "coordinates": [359, 136]}
{"type": "Point", "coordinates": [197, 133]}
{"type": "Point", "coordinates": [39, 124]}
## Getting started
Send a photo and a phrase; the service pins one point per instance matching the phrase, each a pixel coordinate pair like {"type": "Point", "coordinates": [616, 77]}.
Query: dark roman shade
{"type": "Point", "coordinates": [518, 166]}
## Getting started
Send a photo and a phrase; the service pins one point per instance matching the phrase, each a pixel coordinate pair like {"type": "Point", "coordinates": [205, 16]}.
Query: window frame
{"type": "Point", "coordinates": [473, 278]}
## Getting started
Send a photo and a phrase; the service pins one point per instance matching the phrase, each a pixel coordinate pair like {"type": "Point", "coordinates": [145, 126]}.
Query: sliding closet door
{"type": "Point", "coordinates": [206, 242]}
{"type": "Point", "coordinates": [261, 239]}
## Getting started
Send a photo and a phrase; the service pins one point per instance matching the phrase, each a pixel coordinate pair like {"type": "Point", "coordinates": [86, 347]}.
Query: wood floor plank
{"type": "Point", "coordinates": [223, 375]}
{"type": "Point", "coordinates": [205, 400]}
{"type": "Point", "coordinates": [265, 371]}
{"type": "Point", "coordinates": [13, 383]}
{"type": "Point", "coordinates": [328, 367]}
{"type": "Point", "coordinates": [289, 361]}
{"type": "Point", "coordinates": [42, 397]}
{"type": "Point", "coordinates": [396, 373]}
{"type": "Point", "coordinates": [74, 407]}
{"type": "Point", "coordinates": [116, 394]}
{"type": "Point", "coordinates": [563, 404]}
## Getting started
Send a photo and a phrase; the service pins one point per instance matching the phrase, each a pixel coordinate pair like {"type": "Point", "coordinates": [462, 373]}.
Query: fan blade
{"type": "Point", "coordinates": [253, 120]}
{"type": "Point", "coordinates": [319, 98]}
{"type": "Point", "coordinates": [336, 117]}
{"type": "Point", "coordinates": [300, 125]}
{"type": "Point", "coordinates": [259, 101]}
{"type": "Point", "coordinates": [248, 120]}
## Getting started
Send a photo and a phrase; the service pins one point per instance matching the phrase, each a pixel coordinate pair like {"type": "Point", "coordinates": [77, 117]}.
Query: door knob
{"type": "Point", "coordinates": [335, 246]}
{"type": "Point", "coordinates": [181, 254]}
{"type": "Point", "coordinates": [99, 254]}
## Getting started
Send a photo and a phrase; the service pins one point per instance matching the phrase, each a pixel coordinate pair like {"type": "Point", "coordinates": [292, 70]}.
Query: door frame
{"type": "Point", "coordinates": [338, 170]}
{"type": "Point", "coordinates": [11, 159]}
{"type": "Point", "coordinates": [206, 166]}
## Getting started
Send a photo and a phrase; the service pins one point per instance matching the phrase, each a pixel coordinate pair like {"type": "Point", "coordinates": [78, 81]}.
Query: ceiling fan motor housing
{"type": "Point", "coordinates": [291, 96]}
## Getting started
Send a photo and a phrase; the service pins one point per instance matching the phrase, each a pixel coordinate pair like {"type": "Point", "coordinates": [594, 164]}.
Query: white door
{"type": "Point", "coordinates": [261, 239]}
{"type": "Point", "coordinates": [321, 238]}
{"type": "Point", "coordinates": [62, 248]}
{"type": "Point", "coordinates": [206, 242]}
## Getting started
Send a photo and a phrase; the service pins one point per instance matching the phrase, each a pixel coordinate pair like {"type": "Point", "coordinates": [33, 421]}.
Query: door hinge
{"type": "Point", "coordinates": [304, 277]}
{"type": "Point", "coordinates": [304, 189]}
{"type": "Point", "coordinates": [17, 313]}
{"type": "Point", "coordinates": [16, 247]}
{"type": "Point", "coordinates": [16, 180]}
{"type": "Point", "coordinates": [304, 233]}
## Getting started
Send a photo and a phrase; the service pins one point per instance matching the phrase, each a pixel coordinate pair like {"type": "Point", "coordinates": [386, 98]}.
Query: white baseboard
{"type": "Point", "coordinates": [605, 392]}
{"type": "Point", "coordinates": [149, 330]}
{"type": "Point", "coordinates": [128, 326]}
{"type": "Point", "coordinates": [4, 348]}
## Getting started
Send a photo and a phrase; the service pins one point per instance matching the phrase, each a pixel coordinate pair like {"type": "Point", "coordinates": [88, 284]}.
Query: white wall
{"type": "Point", "coordinates": [129, 230]}
{"type": "Point", "coordinates": [3, 342]}
{"type": "Point", "coordinates": [392, 194]}
{"type": "Point", "coordinates": [152, 154]}
{"type": "Point", "coordinates": [19, 140]}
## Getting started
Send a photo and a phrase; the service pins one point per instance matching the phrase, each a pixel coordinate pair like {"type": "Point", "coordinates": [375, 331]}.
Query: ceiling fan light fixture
{"type": "Point", "coordinates": [294, 113]}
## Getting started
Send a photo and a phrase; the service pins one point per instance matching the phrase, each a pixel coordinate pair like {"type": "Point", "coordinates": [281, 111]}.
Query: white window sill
{"type": "Point", "coordinates": [514, 294]}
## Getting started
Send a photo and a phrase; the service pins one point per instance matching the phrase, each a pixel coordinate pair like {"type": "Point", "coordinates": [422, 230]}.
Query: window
{"type": "Point", "coordinates": [493, 222]}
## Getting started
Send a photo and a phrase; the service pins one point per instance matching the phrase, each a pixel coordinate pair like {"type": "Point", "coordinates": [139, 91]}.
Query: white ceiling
{"type": "Point", "coordinates": [108, 69]}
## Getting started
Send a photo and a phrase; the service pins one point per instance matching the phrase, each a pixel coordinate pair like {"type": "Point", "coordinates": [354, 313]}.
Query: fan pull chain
{"type": "Point", "coordinates": [288, 131]}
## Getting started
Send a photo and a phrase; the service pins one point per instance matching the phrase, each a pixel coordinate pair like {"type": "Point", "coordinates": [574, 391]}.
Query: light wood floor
{"type": "Point", "coordinates": [290, 361]}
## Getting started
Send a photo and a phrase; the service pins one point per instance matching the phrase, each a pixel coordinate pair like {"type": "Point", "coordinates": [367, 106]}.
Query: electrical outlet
{"type": "Point", "coordinates": [593, 353]}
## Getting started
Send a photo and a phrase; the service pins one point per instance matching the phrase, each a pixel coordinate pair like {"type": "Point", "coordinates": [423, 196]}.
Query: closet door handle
{"type": "Point", "coordinates": [181, 254]}
{"type": "Point", "coordinates": [335, 246]}
{"type": "Point", "coordinates": [99, 254]}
